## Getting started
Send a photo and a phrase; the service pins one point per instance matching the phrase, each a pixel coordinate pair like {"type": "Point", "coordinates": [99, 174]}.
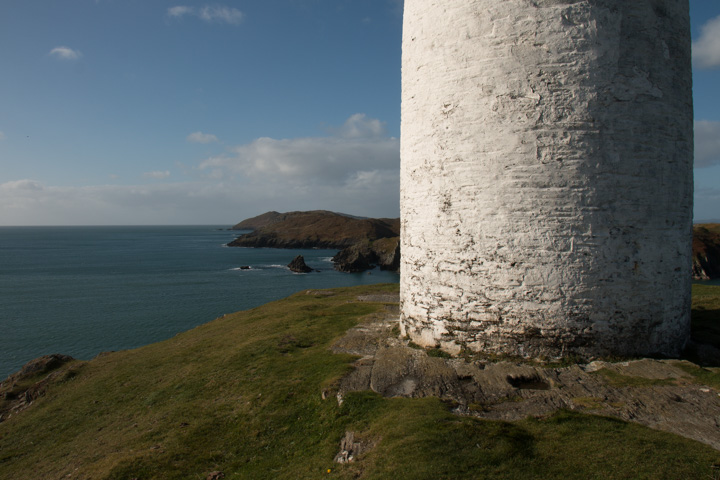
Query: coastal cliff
{"type": "Point", "coordinates": [706, 251]}
{"type": "Point", "coordinates": [364, 242]}
{"type": "Point", "coordinates": [364, 255]}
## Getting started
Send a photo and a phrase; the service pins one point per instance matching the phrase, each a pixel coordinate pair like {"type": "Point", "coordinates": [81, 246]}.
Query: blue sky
{"type": "Point", "coordinates": [180, 112]}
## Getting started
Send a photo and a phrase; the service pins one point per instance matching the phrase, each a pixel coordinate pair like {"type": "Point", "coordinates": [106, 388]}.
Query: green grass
{"type": "Point", "coordinates": [436, 352]}
{"type": "Point", "coordinates": [242, 395]}
{"type": "Point", "coordinates": [591, 403]}
{"type": "Point", "coordinates": [706, 376]}
{"type": "Point", "coordinates": [420, 439]}
{"type": "Point", "coordinates": [617, 379]}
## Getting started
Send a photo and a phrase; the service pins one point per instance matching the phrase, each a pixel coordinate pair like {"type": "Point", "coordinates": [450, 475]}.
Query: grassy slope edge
{"type": "Point", "coordinates": [242, 395]}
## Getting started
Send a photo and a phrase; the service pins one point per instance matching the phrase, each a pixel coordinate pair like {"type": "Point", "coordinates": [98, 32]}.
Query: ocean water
{"type": "Point", "coordinates": [84, 290]}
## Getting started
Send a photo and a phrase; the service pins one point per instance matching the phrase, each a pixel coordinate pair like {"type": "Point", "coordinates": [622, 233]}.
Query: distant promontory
{"type": "Point", "coordinates": [313, 229]}
{"type": "Point", "coordinates": [364, 242]}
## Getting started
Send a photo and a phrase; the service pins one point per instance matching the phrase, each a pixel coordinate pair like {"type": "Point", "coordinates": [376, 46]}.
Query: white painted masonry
{"type": "Point", "coordinates": [546, 176]}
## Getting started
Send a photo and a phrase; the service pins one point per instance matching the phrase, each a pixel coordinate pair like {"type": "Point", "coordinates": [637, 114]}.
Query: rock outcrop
{"type": "Point", "coordinates": [706, 251]}
{"type": "Point", "coordinates": [21, 389]}
{"type": "Point", "coordinates": [349, 448]}
{"type": "Point", "coordinates": [314, 229]}
{"type": "Point", "coordinates": [365, 255]}
{"type": "Point", "coordinates": [661, 394]}
{"type": "Point", "coordinates": [298, 265]}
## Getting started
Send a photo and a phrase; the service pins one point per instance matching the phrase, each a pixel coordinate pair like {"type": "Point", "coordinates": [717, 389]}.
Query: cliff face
{"type": "Point", "coordinates": [384, 253]}
{"type": "Point", "coordinates": [706, 251]}
{"type": "Point", "coordinates": [314, 229]}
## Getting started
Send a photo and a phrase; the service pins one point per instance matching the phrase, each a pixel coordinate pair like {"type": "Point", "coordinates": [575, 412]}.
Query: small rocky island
{"type": "Point", "coordinates": [364, 243]}
{"type": "Point", "coordinates": [298, 265]}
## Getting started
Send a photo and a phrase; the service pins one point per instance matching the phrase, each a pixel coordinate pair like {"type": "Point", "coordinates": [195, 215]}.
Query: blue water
{"type": "Point", "coordinates": [84, 290]}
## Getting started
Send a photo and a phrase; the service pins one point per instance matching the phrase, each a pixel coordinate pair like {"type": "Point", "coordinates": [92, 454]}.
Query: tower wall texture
{"type": "Point", "coordinates": [546, 176]}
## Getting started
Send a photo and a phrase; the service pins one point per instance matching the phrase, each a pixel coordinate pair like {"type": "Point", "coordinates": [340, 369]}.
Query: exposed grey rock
{"type": "Point", "coordinates": [22, 388]}
{"type": "Point", "coordinates": [349, 448]}
{"type": "Point", "coordinates": [356, 258]}
{"type": "Point", "coordinates": [39, 365]}
{"type": "Point", "coordinates": [658, 393]}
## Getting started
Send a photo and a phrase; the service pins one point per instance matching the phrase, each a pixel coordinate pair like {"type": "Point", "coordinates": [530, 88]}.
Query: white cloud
{"type": "Point", "coordinates": [221, 14]}
{"type": "Point", "coordinates": [707, 143]}
{"type": "Point", "coordinates": [157, 175]}
{"type": "Point", "coordinates": [22, 185]}
{"type": "Point", "coordinates": [27, 202]}
{"type": "Point", "coordinates": [345, 172]}
{"type": "Point", "coordinates": [354, 170]}
{"type": "Point", "coordinates": [179, 11]}
{"type": "Point", "coordinates": [199, 137]}
{"type": "Point", "coordinates": [65, 53]}
{"type": "Point", "coordinates": [360, 126]}
{"type": "Point", "coordinates": [706, 50]}
{"type": "Point", "coordinates": [209, 13]}
{"type": "Point", "coordinates": [357, 146]}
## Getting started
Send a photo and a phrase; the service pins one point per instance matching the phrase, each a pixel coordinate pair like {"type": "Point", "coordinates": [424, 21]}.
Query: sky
{"type": "Point", "coordinates": [135, 112]}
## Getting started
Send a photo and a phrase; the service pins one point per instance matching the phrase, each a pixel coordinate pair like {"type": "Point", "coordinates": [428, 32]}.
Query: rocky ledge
{"type": "Point", "coordinates": [661, 394]}
{"type": "Point", "coordinates": [21, 389]}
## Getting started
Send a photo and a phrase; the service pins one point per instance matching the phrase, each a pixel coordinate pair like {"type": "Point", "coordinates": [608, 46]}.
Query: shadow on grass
{"type": "Point", "coordinates": [704, 349]}
{"type": "Point", "coordinates": [705, 326]}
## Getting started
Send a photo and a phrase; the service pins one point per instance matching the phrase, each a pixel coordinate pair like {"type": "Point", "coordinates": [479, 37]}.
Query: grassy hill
{"type": "Point", "coordinates": [314, 229]}
{"type": "Point", "coordinates": [242, 395]}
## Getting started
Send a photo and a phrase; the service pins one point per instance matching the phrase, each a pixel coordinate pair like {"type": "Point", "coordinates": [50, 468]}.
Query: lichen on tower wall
{"type": "Point", "coordinates": [546, 176]}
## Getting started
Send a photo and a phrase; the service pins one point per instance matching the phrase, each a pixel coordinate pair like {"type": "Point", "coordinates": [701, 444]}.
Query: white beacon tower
{"type": "Point", "coordinates": [546, 176]}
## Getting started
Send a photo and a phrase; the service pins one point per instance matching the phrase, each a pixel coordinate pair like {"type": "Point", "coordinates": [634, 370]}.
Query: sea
{"type": "Point", "coordinates": [81, 291]}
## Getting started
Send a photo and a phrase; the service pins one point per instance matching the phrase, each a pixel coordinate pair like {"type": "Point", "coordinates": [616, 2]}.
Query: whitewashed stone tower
{"type": "Point", "coordinates": [546, 178]}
